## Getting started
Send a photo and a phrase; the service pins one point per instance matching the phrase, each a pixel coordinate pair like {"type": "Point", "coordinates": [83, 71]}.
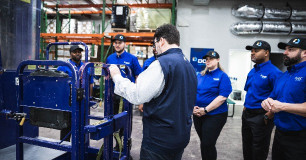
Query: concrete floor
{"type": "Point", "coordinates": [229, 144]}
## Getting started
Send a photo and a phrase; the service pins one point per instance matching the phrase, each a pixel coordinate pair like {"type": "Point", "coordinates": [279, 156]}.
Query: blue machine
{"type": "Point", "coordinates": [45, 98]}
{"type": "Point", "coordinates": [19, 40]}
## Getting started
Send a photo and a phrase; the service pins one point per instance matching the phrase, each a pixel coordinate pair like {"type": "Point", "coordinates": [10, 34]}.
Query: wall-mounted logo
{"type": "Point", "coordinates": [296, 41]}
{"type": "Point", "coordinates": [194, 58]}
{"type": "Point", "coordinates": [258, 44]}
{"type": "Point", "coordinates": [201, 60]}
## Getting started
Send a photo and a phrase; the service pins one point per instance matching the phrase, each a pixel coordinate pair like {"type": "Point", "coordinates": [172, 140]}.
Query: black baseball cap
{"type": "Point", "coordinates": [294, 42]}
{"type": "Point", "coordinates": [119, 37]}
{"type": "Point", "coordinates": [260, 44]}
{"type": "Point", "coordinates": [75, 47]}
{"type": "Point", "coordinates": [212, 54]}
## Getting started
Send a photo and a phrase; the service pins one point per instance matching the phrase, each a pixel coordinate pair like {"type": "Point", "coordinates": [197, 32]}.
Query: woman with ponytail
{"type": "Point", "coordinates": [210, 111]}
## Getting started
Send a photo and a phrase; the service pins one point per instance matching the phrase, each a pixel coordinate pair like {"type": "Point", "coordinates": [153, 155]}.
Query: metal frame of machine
{"type": "Point", "coordinates": [81, 130]}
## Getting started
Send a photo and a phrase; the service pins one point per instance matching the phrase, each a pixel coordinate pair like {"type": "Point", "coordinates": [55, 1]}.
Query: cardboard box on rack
{"type": "Point", "coordinates": [85, 27]}
{"type": "Point", "coordinates": [66, 25]}
{"type": "Point", "coordinates": [133, 50]}
{"type": "Point", "coordinates": [51, 26]}
{"type": "Point", "coordinates": [151, 18]}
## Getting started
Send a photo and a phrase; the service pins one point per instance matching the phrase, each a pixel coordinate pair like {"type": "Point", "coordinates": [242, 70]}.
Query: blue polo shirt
{"type": "Point", "coordinates": [68, 71]}
{"type": "Point", "coordinates": [291, 88]}
{"type": "Point", "coordinates": [126, 59]}
{"type": "Point", "coordinates": [211, 85]}
{"type": "Point", "coordinates": [259, 84]}
{"type": "Point", "coordinates": [148, 62]}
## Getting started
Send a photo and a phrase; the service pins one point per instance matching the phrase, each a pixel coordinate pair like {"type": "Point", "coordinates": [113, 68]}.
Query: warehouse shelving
{"type": "Point", "coordinates": [139, 38]}
{"type": "Point", "coordinates": [142, 38]}
{"type": "Point", "coordinates": [102, 38]}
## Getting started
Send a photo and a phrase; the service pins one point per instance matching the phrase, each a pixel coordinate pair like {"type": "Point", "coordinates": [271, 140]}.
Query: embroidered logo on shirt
{"type": "Point", "coordinates": [298, 78]}
{"type": "Point", "coordinates": [126, 62]}
{"type": "Point", "coordinates": [216, 79]}
{"type": "Point", "coordinates": [263, 77]}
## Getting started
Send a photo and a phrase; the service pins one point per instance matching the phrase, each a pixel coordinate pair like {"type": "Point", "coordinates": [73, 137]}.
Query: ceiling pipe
{"type": "Point", "coordinates": [269, 28]}
{"type": "Point", "coordinates": [262, 12]}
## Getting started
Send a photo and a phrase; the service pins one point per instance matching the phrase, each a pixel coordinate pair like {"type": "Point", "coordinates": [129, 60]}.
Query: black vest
{"type": "Point", "coordinates": [167, 118]}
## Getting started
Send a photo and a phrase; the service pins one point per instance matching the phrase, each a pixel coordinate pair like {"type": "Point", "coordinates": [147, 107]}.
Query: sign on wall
{"type": "Point", "coordinates": [196, 58]}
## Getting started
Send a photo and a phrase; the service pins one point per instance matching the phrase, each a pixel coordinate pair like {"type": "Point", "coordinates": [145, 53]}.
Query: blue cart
{"type": "Point", "coordinates": [50, 97]}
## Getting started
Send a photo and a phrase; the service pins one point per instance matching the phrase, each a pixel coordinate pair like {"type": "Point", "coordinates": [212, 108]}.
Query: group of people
{"type": "Point", "coordinates": [169, 92]}
{"type": "Point", "coordinates": [275, 98]}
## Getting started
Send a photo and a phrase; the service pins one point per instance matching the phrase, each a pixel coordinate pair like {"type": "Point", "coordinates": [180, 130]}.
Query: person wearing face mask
{"type": "Point", "coordinates": [288, 103]}
{"type": "Point", "coordinates": [210, 111]}
{"type": "Point", "coordinates": [75, 60]}
{"type": "Point", "coordinates": [168, 90]}
{"type": "Point", "coordinates": [122, 57]}
{"type": "Point", "coordinates": [257, 124]}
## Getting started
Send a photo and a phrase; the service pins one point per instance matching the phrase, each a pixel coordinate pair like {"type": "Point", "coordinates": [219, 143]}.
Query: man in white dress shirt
{"type": "Point", "coordinates": [168, 90]}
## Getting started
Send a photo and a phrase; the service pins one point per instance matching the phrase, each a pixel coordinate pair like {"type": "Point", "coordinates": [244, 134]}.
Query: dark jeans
{"type": "Point", "coordinates": [147, 154]}
{"type": "Point", "coordinates": [208, 128]}
{"type": "Point", "coordinates": [256, 134]}
{"type": "Point", "coordinates": [289, 145]}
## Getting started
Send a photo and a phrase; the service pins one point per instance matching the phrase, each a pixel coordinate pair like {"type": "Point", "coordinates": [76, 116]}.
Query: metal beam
{"type": "Point", "coordinates": [173, 12]}
{"type": "Point", "coordinates": [151, 5]}
{"type": "Point", "coordinates": [90, 2]}
{"type": "Point", "coordinates": [81, 12]}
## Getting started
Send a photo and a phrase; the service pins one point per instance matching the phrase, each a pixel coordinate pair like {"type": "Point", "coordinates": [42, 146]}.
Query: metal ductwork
{"type": "Point", "coordinates": [268, 27]}
{"type": "Point", "coordinates": [262, 12]}
{"type": "Point", "coordinates": [298, 15]}
{"type": "Point", "coordinates": [201, 2]}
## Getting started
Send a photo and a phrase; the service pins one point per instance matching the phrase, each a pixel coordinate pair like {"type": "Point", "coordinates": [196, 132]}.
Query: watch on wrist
{"type": "Point", "coordinates": [205, 110]}
{"type": "Point", "coordinates": [266, 117]}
